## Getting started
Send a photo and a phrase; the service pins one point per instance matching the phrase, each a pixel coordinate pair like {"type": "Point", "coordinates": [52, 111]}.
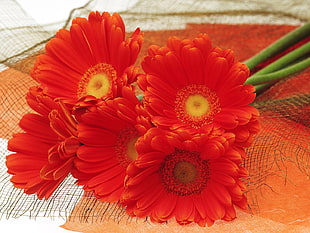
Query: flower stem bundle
{"type": "Point", "coordinates": [288, 64]}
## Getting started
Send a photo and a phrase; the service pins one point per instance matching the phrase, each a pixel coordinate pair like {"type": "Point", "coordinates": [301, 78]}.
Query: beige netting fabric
{"type": "Point", "coordinates": [278, 161]}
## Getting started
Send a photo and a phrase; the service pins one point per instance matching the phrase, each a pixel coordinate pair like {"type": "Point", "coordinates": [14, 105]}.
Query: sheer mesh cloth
{"type": "Point", "coordinates": [278, 161]}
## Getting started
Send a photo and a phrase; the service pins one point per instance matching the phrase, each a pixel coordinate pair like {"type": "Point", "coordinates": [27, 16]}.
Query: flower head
{"type": "Point", "coordinates": [191, 178]}
{"type": "Point", "coordinates": [45, 152]}
{"type": "Point", "coordinates": [191, 85]}
{"type": "Point", "coordinates": [108, 136]}
{"type": "Point", "coordinates": [92, 58]}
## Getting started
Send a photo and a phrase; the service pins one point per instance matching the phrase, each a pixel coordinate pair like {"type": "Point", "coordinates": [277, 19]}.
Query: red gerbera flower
{"type": "Point", "coordinates": [190, 84]}
{"type": "Point", "coordinates": [191, 178]}
{"type": "Point", "coordinates": [92, 58]}
{"type": "Point", "coordinates": [108, 135]}
{"type": "Point", "coordinates": [44, 153]}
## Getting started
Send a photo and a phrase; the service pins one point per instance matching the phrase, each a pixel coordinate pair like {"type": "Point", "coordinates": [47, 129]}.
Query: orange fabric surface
{"type": "Point", "coordinates": [279, 197]}
{"type": "Point", "coordinates": [13, 89]}
{"type": "Point", "coordinates": [284, 195]}
{"type": "Point", "coordinates": [244, 223]}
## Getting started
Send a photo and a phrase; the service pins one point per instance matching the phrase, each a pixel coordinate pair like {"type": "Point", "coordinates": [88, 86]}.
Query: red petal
{"type": "Point", "coordinates": [165, 208]}
{"type": "Point", "coordinates": [221, 193]}
{"type": "Point", "coordinates": [223, 178]}
{"type": "Point", "coordinates": [185, 210]}
{"type": "Point", "coordinates": [64, 52]}
{"type": "Point", "coordinates": [227, 120]}
{"type": "Point", "coordinates": [215, 209]}
{"type": "Point", "coordinates": [82, 44]}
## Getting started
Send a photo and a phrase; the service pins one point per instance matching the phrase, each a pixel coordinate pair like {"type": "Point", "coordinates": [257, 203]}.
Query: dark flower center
{"type": "Point", "coordinates": [184, 172]}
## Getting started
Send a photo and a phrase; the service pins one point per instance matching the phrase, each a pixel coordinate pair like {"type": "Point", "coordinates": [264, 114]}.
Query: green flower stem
{"type": "Point", "coordinates": [275, 70]}
{"type": "Point", "coordinates": [285, 60]}
{"type": "Point", "coordinates": [275, 76]}
{"type": "Point", "coordinates": [261, 87]}
{"type": "Point", "coordinates": [279, 45]}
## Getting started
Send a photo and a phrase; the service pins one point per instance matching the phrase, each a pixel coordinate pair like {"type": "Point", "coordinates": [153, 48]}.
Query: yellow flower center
{"type": "Point", "coordinates": [97, 81]}
{"type": "Point", "coordinates": [132, 153]}
{"type": "Point", "coordinates": [98, 85]}
{"type": "Point", "coordinates": [196, 105]}
{"type": "Point", "coordinates": [125, 146]}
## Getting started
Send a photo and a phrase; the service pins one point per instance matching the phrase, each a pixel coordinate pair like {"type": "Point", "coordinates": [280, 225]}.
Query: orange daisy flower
{"type": "Point", "coordinates": [92, 58]}
{"type": "Point", "coordinates": [108, 136]}
{"type": "Point", "coordinates": [191, 85]}
{"type": "Point", "coordinates": [44, 153]}
{"type": "Point", "coordinates": [190, 178]}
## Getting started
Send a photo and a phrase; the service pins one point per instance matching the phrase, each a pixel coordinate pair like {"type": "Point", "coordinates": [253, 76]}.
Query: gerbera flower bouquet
{"type": "Point", "coordinates": [165, 142]}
